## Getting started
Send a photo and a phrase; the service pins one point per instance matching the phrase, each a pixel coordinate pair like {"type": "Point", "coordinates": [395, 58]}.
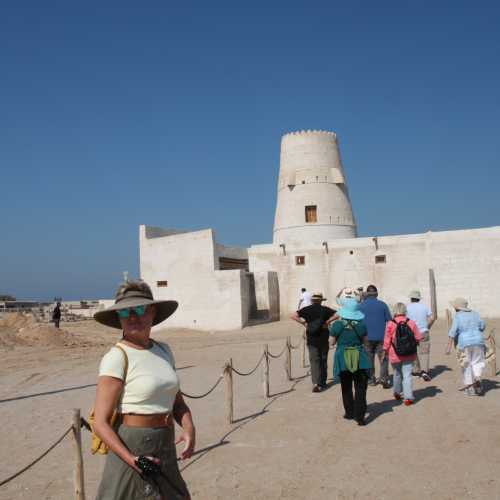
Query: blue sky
{"type": "Point", "coordinates": [119, 114]}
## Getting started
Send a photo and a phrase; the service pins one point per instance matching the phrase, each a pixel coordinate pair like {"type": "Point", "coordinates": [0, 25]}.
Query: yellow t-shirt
{"type": "Point", "coordinates": [152, 382]}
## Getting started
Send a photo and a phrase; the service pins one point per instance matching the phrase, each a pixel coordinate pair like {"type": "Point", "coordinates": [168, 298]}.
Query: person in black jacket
{"type": "Point", "coordinates": [56, 315]}
{"type": "Point", "coordinates": [316, 319]}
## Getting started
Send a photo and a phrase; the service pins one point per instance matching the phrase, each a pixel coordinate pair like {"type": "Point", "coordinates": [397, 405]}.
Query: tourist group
{"type": "Point", "coordinates": [363, 327]}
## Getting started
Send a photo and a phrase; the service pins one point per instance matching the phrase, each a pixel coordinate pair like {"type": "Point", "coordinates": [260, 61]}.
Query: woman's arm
{"type": "Point", "coordinates": [108, 392]}
{"type": "Point", "coordinates": [183, 417]}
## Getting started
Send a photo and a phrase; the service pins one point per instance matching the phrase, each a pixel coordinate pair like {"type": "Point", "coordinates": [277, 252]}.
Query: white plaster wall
{"type": "Point", "coordinates": [311, 173]}
{"type": "Point", "coordinates": [465, 263]}
{"type": "Point", "coordinates": [208, 299]}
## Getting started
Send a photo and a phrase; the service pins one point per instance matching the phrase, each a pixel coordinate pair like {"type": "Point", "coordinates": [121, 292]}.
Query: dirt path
{"type": "Point", "coordinates": [295, 445]}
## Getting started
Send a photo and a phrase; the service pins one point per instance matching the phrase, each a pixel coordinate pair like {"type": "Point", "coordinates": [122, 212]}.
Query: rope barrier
{"type": "Point", "coordinates": [250, 372]}
{"type": "Point", "coordinates": [279, 355]}
{"type": "Point", "coordinates": [206, 393]}
{"type": "Point", "coordinates": [10, 478]}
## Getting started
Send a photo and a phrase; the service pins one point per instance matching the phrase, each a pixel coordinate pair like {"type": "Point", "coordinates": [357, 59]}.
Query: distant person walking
{"type": "Point", "coordinates": [351, 362]}
{"type": "Point", "coordinates": [305, 299]}
{"type": "Point", "coordinates": [400, 344]}
{"type": "Point", "coordinates": [56, 315]}
{"type": "Point", "coordinates": [377, 315]}
{"type": "Point", "coordinates": [423, 317]}
{"type": "Point", "coordinates": [467, 331]}
{"type": "Point", "coordinates": [316, 319]}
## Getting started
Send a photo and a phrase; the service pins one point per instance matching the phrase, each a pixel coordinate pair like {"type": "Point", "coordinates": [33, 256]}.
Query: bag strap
{"type": "Point", "coordinates": [125, 368]}
{"type": "Point", "coordinates": [125, 371]}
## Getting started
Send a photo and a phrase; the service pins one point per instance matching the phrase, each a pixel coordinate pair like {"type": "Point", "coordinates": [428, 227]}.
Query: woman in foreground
{"type": "Point", "coordinates": [137, 378]}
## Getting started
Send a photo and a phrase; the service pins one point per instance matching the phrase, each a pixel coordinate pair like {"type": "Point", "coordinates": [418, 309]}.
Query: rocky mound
{"type": "Point", "coordinates": [24, 329]}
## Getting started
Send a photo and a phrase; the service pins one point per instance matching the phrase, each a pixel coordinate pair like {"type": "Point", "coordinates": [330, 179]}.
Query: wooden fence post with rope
{"type": "Point", "coordinates": [265, 371]}
{"type": "Point", "coordinates": [288, 360]}
{"type": "Point", "coordinates": [76, 423]}
{"type": "Point", "coordinates": [228, 376]}
{"type": "Point", "coordinates": [304, 350]}
{"type": "Point", "coordinates": [492, 355]}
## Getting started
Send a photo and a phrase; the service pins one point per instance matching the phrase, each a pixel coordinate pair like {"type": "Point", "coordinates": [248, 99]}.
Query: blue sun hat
{"type": "Point", "coordinates": [350, 309]}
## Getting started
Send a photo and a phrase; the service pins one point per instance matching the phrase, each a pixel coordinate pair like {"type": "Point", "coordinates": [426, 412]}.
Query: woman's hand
{"type": "Point", "coordinates": [189, 438]}
{"type": "Point", "coordinates": [134, 465]}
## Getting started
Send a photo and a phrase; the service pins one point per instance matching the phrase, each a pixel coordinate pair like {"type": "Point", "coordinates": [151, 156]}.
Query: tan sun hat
{"type": "Point", "coordinates": [460, 304]}
{"type": "Point", "coordinates": [415, 294]}
{"type": "Point", "coordinates": [318, 296]}
{"type": "Point", "coordinates": [132, 294]}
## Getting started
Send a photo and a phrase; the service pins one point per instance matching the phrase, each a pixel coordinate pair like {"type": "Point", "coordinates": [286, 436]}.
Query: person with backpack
{"type": "Point", "coordinates": [351, 362]}
{"type": "Point", "coordinates": [400, 345]}
{"type": "Point", "coordinates": [316, 319]}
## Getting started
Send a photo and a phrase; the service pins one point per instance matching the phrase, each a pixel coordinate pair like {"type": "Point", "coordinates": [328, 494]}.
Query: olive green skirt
{"type": "Point", "coordinates": [121, 482]}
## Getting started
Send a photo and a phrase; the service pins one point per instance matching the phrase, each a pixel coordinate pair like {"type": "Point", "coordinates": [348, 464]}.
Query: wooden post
{"type": "Point", "coordinates": [304, 350]}
{"type": "Point", "coordinates": [493, 358]}
{"type": "Point", "coordinates": [228, 375]}
{"type": "Point", "coordinates": [265, 371]}
{"type": "Point", "coordinates": [432, 287]}
{"type": "Point", "coordinates": [288, 360]}
{"type": "Point", "coordinates": [77, 440]}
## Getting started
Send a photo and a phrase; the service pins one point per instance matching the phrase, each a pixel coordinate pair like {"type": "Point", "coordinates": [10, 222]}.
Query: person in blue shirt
{"type": "Point", "coordinates": [467, 333]}
{"type": "Point", "coordinates": [377, 314]}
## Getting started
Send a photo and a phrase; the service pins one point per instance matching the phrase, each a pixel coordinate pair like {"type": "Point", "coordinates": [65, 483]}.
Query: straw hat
{"type": "Point", "coordinates": [460, 304]}
{"type": "Point", "coordinates": [415, 294]}
{"type": "Point", "coordinates": [132, 294]}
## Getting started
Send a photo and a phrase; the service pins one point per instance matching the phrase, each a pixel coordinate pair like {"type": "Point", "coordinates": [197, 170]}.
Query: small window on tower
{"type": "Point", "coordinates": [380, 259]}
{"type": "Point", "coordinates": [311, 213]}
{"type": "Point", "coordinates": [300, 260]}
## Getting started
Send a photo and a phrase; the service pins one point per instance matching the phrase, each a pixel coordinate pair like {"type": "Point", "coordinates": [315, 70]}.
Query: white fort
{"type": "Point", "coordinates": [314, 246]}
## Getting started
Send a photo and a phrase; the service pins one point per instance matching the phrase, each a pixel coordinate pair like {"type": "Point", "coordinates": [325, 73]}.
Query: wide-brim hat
{"type": "Point", "coordinates": [130, 295]}
{"type": "Point", "coordinates": [318, 296]}
{"type": "Point", "coordinates": [415, 294]}
{"type": "Point", "coordinates": [350, 310]}
{"type": "Point", "coordinates": [460, 304]}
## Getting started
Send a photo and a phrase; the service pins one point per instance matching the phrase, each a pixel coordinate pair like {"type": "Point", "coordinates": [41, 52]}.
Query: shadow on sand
{"type": "Point", "coordinates": [377, 409]}
{"type": "Point", "coordinates": [242, 421]}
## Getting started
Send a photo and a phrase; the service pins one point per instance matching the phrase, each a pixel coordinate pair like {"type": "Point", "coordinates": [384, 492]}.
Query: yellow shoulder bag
{"type": "Point", "coordinates": [98, 445]}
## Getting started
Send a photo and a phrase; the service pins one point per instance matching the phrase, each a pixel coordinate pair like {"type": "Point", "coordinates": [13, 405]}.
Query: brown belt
{"type": "Point", "coordinates": [156, 420]}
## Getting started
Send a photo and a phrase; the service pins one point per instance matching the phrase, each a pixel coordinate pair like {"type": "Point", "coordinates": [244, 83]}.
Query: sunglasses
{"type": "Point", "coordinates": [137, 310]}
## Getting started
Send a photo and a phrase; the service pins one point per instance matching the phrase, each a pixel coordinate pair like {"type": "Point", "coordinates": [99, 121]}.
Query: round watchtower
{"type": "Point", "coordinates": [313, 200]}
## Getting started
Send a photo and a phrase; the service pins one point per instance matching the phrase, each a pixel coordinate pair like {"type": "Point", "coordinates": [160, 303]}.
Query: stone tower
{"type": "Point", "coordinates": [313, 201]}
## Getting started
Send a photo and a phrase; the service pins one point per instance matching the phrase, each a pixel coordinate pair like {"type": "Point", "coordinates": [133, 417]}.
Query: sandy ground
{"type": "Point", "coordinates": [294, 445]}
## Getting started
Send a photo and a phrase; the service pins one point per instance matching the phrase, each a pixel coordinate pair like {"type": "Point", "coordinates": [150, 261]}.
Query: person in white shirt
{"type": "Point", "coordinates": [138, 381]}
{"type": "Point", "coordinates": [305, 299]}
{"type": "Point", "coordinates": [423, 317]}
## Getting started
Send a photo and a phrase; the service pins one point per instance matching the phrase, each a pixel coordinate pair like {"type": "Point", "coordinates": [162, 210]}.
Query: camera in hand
{"type": "Point", "coordinates": [147, 466]}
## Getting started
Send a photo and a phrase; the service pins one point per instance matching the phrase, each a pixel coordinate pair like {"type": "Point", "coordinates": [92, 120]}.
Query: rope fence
{"type": "Point", "coordinates": [36, 460]}
{"type": "Point", "coordinates": [77, 422]}
{"type": "Point", "coordinates": [201, 396]}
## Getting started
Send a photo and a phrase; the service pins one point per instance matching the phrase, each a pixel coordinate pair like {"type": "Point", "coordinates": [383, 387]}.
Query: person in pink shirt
{"type": "Point", "coordinates": [400, 345]}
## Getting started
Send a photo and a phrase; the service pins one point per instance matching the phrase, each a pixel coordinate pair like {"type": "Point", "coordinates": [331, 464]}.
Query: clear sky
{"type": "Point", "coordinates": [115, 114]}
